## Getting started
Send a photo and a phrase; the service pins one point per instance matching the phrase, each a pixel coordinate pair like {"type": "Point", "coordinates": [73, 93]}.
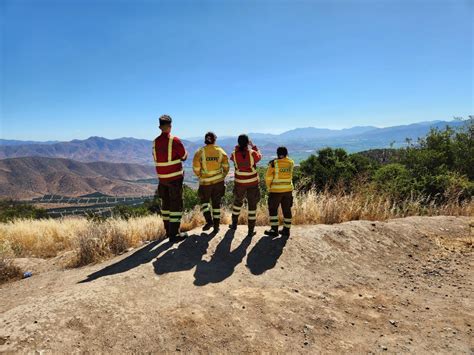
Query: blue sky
{"type": "Point", "coordinates": [73, 69]}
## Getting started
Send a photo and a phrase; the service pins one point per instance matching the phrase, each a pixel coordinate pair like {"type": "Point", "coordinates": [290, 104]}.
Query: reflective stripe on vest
{"type": "Point", "coordinates": [169, 162]}
{"type": "Point", "coordinates": [242, 181]}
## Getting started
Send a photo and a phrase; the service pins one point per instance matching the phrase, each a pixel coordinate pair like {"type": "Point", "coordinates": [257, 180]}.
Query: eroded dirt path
{"type": "Point", "coordinates": [405, 285]}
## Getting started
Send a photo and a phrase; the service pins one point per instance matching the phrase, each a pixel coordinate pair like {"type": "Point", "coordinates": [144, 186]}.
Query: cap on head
{"type": "Point", "coordinates": [165, 120]}
{"type": "Point", "coordinates": [243, 141]}
{"type": "Point", "coordinates": [282, 152]}
{"type": "Point", "coordinates": [210, 138]}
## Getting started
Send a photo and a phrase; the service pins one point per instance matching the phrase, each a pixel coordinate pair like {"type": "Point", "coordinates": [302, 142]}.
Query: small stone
{"type": "Point", "coordinates": [306, 342]}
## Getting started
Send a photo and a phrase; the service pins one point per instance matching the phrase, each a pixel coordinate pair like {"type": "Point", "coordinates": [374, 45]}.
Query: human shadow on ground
{"type": "Point", "coordinates": [223, 261]}
{"type": "Point", "coordinates": [265, 254]}
{"type": "Point", "coordinates": [141, 256]}
{"type": "Point", "coordinates": [187, 255]}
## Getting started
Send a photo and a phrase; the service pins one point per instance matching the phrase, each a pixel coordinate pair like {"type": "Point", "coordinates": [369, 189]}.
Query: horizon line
{"type": "Point", "coordinates": [228, 135]}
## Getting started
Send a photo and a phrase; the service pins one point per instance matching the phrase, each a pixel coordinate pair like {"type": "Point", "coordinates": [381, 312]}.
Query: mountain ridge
{"type": "Point", "coordinates": [300, 141]}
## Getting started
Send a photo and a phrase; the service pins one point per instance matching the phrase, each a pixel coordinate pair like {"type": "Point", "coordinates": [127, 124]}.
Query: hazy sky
{"type": "Point", "coordinates": [76, 68]}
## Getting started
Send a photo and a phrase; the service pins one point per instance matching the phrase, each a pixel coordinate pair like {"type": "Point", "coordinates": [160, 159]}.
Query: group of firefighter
{"type": "Point", "coordinates": [211, 166]}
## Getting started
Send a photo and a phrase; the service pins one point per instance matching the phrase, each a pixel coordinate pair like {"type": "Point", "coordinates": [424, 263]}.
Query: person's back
{"type": "Point", "coordinates": [279, 176]}
{"type": "Point", "coordinates": [245, 161]}
{"type": "Point", "coordinates": [210, 164]}
{"type": "Point", "coordinates": [168, 152]}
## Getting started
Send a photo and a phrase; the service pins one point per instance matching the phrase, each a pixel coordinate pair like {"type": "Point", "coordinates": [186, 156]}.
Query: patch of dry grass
{"type": "Point", "coordinates": [93, 240]}
{"type": "Point", "coordinates": [9, 271]}
{"type": "Point", "coordinates": [97, 240]}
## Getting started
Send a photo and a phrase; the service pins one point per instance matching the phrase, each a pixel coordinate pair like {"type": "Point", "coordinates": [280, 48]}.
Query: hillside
{"type": "Point", "coordinates": [35, 176]}
{"type": "Point", "coordinates": [402, 286]}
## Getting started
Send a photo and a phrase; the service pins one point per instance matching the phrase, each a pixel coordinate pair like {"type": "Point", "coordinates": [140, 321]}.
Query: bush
{"type": "Point", "coordinates": [443, 162]}
{"type": "Point", "coordinates": [190, 198]}
{"type": "Point", "coordinates": [127, 212]}
{"type": "Point", "coordinates": [331, 168]}
{"type": "Point", "coordinates": [394, 179]}
{"type": "Point", "coordinates": [10, 210]}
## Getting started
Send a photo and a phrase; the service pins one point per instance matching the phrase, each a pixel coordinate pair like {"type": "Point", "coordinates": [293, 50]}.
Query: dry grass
{"type": "Point", "coordinates": [9, 271]}
{"type": "Point", "coordinates": [97, 240]}
{"type": "Point", "coordinates": [114, 236]}
{"type": "Point", "coordinates": [326, 208]}
{"type": "Point", "coordinates": [93, 240]}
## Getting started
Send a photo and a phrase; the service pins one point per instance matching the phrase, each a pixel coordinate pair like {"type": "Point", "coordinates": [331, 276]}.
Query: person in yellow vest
{"type": "Point", "coordinates": [211, 166]}
{"type": "Point", "coordinates": [279, 181]}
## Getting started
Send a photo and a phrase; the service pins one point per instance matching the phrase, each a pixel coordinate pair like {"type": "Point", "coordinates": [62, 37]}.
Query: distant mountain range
{"type": "Point", "coordinates": [17, 142]}
{"type": "Point", "coordinates": [300, 141]}
{"type": "Point", "coordinates": [29, 177]}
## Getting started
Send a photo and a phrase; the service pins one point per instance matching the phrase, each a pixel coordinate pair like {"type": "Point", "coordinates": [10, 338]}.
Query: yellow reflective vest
{"type": "Point", "coordinates": [210, 164]}
{"type": "Point", "coordinates": [279, 176]}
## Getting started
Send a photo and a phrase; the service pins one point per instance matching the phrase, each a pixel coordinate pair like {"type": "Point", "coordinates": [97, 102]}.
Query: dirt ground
{"type": "Point", "coordinates": [405, 285]}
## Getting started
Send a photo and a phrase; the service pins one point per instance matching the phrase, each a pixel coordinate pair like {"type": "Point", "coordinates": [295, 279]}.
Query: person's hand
{"type": "Point", "coordinates": [251, 144]}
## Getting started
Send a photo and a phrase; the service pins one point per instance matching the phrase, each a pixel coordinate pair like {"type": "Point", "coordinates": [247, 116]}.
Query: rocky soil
{"type": "Point", "coordinates": [405, 285]}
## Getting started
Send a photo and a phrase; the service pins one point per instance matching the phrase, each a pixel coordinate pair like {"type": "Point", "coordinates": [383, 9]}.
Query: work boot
{"type": "Point", "coordinates": [272, 232]}
{"type": "Point", "coordinates": [285, 232]}
{"type": "Point", "coordinates": [209, 224]}
{"type": "Point", "coordinates": [167, 229]}
{"type": "Point", "coordinates": [174, 234]}
{"type": "Point", "coordinates": [251, 231]}
{"type": "Point", "coordinates": [217, 224]}
{"type": "Point", "coordinates": [233, 225]}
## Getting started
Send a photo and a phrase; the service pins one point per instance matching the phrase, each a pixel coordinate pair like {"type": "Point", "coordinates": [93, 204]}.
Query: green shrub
{"type": "Point", "coordinates": [331, 168]}
{"type": "Point", "coordinates": [394, 179]}
{"type": "Point", "coordinates": [190, 198]}
{"type": "Point", "coordinates": [126, 212]}
{"type": "Point", "coordinates": [10, 210]}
